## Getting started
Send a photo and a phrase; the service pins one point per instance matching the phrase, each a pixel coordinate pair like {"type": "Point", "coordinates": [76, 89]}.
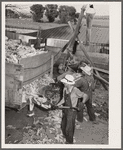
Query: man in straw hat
{"type": "Point", "coordinates": [70, 98]}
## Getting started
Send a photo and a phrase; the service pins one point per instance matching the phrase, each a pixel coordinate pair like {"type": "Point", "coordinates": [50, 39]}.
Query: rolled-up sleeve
{"type": "Point", "coordinates": [76, 93]}
{"type": "Point", "coordinates": [79, 93]}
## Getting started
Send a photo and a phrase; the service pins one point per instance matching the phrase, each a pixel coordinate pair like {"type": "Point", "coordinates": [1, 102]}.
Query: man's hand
{"type": "Point", "coordinates": [61, 102]}
{"type": "Point", "coordinates": [80, 106]}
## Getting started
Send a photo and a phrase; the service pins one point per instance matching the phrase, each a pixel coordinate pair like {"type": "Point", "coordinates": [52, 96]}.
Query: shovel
{"type": "Point", "coordinates": [67, 107]}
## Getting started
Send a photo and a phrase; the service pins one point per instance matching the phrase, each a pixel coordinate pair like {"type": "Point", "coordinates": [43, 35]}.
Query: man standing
{"type": "Point", "coordinates": [70, 98]}
{"type": "Point", "coordinates": [86, 85]}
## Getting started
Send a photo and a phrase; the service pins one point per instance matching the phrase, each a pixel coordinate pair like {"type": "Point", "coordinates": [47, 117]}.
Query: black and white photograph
{"type": "Point", "coordinates": [61, 74]}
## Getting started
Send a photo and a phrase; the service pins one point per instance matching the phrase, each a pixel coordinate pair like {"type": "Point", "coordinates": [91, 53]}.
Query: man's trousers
{"type": "Point", "coordinates": [68, 124]}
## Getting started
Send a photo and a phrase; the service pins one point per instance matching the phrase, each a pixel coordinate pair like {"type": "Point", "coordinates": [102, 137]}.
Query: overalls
{"type": "Point", "coordinates": [68, 120]}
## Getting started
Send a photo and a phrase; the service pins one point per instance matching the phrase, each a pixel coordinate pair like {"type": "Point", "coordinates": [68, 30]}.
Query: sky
{"type": "Point", "coordinates": [102, 8]}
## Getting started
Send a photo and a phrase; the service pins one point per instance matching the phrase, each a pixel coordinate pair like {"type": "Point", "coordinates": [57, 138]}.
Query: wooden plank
{"type": "Point", "coordinates": [52, 63]}
{"type": "Point", "coordinates": [10, 95]}
{"type": "Point", "coordinates": [101, 70]}
{"type": "Point", "coordinates": [51, 42]}
{"type": "Point", "coordinates": [13, 106]}
{"type": "Point", "coordinates": [9, 68]}
{"type": "Point", "coordinates": [96, 58]}
{"type": "Point", "coordinates": [13, 84]}
{"type": "Point", "coordinates": [100, 78]}
{"type": "Point", "coordinates": [100, 61]}
{"type": "Point", "coordinates": [6, 96]}
{"type": "Point", "coordinates": [25, 38]}
{"type": "Point", "coordinates": [76, 31]}
{"type": "Point", "coordinates": [12, 69]}
{"type": "Point", "coordinates": [53, 49]}
{"type": "Point", "coordinates": [13, 72]}
{"type": "Point", "coordinates": [17, 97]}
{"type": "Point", "coordinates": [32, 41]}
{"type": "Point", "coordinates": [57, 56]}
{"type": "Point", "coordinates": [35, 66]}
{"type": "Point", "coordinates": [34, 61]}
{"type": "Point", "coordinates": [89, 18]}
{"type": "Point", "coordinates": [12, 35]}
{"type": "Point", "coordinates": [101, 65]}
{"type": "Point", "coordinates": [9, 83]}
{"type": "Point", "coordinates": [29, 80]}
{"type": "Point", "coordinates": [34, 73]}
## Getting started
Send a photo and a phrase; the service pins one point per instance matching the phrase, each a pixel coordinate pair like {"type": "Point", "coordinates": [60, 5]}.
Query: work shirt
{"type": "Point", "coordinates": [90, 80]}
{"type": "Point", "coordinates": [75, 94]}
{"type": "Point", "coordinates": [82, 84]}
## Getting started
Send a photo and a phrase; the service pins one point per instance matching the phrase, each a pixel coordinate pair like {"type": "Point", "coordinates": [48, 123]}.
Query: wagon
{"type": "Point", "coordinates": [26, 71]}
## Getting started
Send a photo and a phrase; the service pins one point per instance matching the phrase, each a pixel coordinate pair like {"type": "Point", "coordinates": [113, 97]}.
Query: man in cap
{"type": "Point", "coordinates": [86, 85]}
{"type": "Point", "coordinates": [70, 98]}
{"type": "Point", "coordinates": [87, 72]}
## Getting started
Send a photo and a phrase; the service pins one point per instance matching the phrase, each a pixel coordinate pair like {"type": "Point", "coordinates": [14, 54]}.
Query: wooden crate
{"type": "Point", "coordinates": [12, 35]}
{"type": "Point", "coordinates": [28, 70]}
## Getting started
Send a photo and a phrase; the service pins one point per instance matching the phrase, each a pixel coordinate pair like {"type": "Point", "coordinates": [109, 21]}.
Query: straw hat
{"type": "Point", "coordinates": [68, 79]}
{"type": "Point", "coordinates": [87, 69]}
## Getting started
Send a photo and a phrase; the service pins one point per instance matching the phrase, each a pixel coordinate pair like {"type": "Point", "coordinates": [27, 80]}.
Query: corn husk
{"type": "Point", "coordinates": [15, 51]}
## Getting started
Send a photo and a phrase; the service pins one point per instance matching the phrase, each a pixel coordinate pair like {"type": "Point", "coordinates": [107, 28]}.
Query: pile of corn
{"type": "Point", "coordinates": [14, 51]}
{"type": "Point", "coordinates": [34, 89]}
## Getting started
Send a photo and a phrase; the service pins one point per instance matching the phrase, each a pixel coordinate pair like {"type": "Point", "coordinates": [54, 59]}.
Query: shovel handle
{"type": "Point", "coordinates": [67, 107]}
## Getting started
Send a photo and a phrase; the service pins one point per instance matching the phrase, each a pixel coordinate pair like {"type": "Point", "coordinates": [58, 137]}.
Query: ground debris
{"type": "Point", "coordinates": [48, 133]}
{"type": "Point", "coordinates": [101, 103]}
{"type": "Point", "coordinates": [27, 127]}
{"type": "Point", "coordinates": [10, 127]}
{"type": "Point", "coordinates": [97, 114]}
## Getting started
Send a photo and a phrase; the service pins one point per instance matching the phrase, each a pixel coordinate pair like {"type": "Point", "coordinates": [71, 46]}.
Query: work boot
{"type": "Point", "coordinates": [68, 143]}
{"type": "Point", "coordinates": [95, 122]}
{"type": "Point", "coordinates": [30, 114]}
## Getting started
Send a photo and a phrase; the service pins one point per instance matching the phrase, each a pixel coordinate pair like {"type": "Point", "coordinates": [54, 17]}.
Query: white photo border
{"type": "Point", "coordinates": [114, 80]}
